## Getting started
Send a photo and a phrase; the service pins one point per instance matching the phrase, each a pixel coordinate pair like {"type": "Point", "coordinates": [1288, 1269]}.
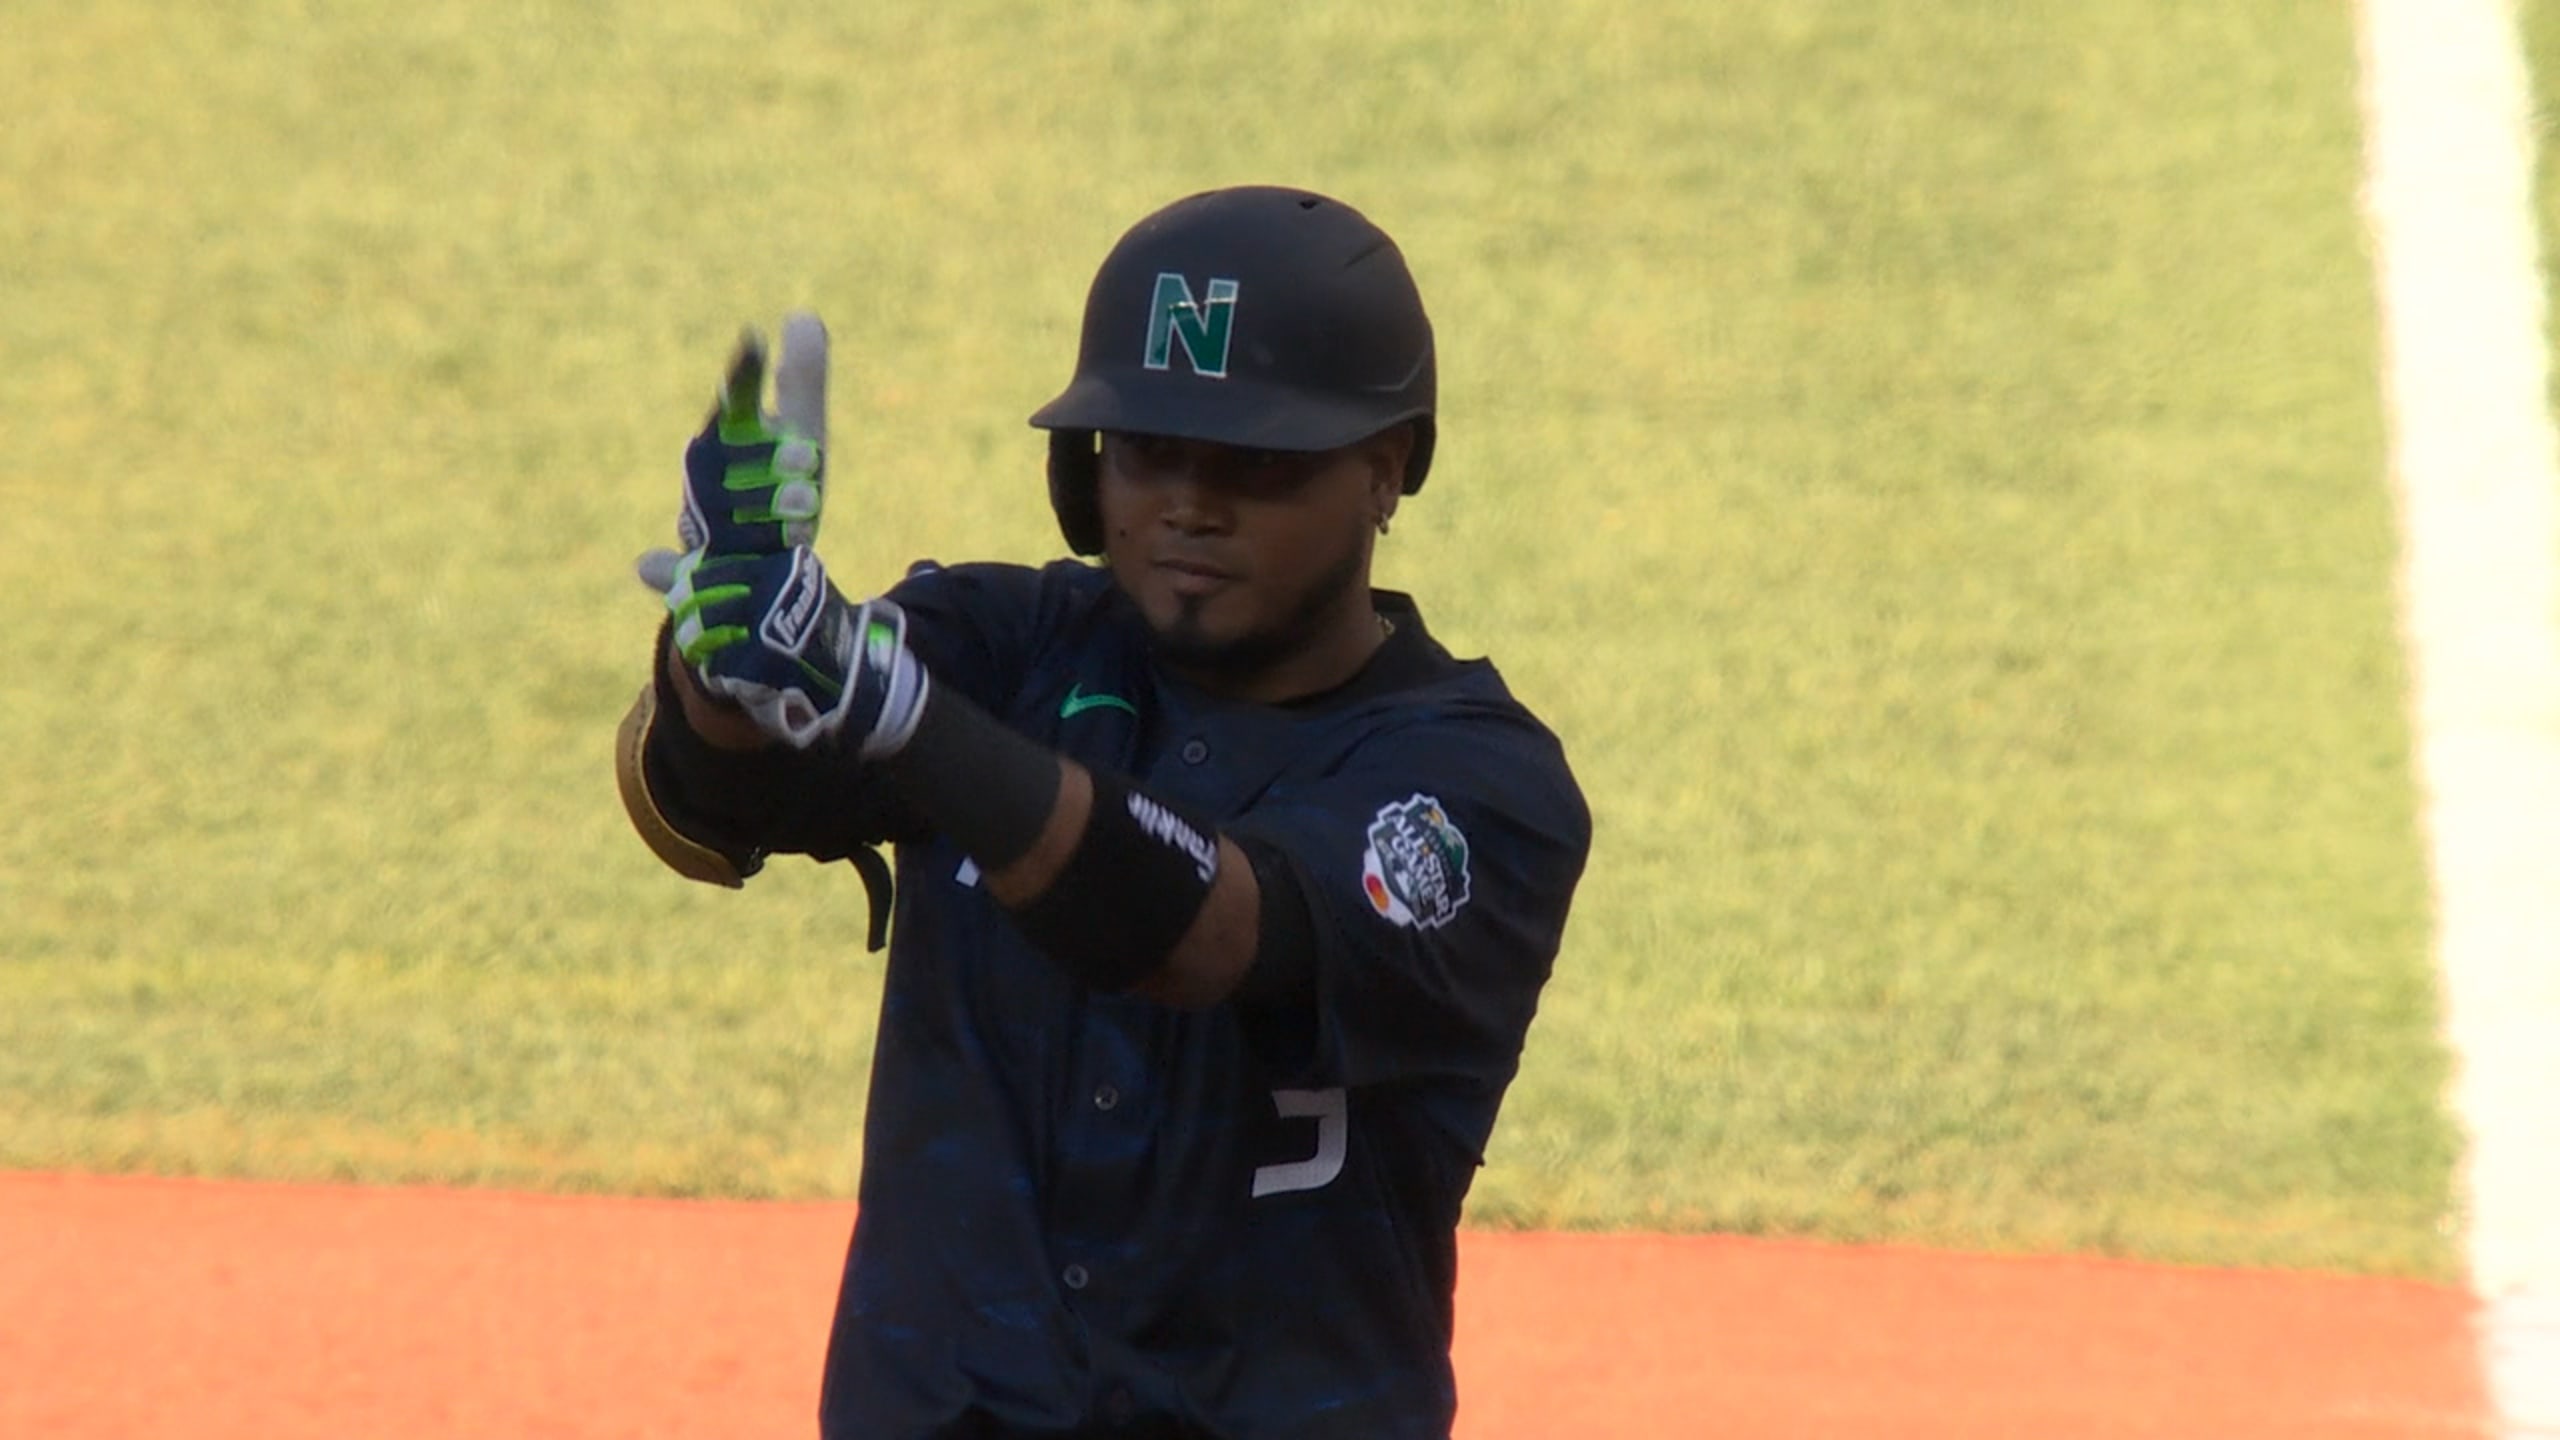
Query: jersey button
{"type": "Point", "coordinates": [1076, 1277]}
{"type": "Point", "coordinates": [1194, 750]}
{"type": "Point", "coordinates": [1105, 1097]}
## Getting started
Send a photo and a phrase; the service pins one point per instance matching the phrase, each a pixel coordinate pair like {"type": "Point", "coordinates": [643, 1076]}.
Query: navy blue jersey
{"type": "Point", "coordinates": [1089, 1213]}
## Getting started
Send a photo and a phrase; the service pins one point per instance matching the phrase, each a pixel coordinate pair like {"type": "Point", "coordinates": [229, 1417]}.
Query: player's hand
{"type": "Point", "coordinates": [754, 482]}
{"type": "Point", "coordinates": [771, 634]}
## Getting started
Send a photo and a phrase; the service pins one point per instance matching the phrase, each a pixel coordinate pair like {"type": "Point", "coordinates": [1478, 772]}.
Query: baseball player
{"type": "Point", "coordinates": [1224, 894]}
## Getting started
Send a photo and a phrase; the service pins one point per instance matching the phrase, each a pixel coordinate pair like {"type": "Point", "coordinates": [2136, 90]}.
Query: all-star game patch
{"type": "Point", "coordinates": [1415, 871]}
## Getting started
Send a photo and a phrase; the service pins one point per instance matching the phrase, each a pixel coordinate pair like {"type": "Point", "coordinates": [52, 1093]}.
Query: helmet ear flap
{"type": "Point", "coordinates": [1426, 435]}
{"type": "Point", "coordinates": [1075, 474]}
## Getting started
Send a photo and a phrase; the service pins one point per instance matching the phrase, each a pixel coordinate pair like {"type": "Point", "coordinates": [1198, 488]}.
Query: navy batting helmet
{"type": "Point", "coordinates": [1260, 317]}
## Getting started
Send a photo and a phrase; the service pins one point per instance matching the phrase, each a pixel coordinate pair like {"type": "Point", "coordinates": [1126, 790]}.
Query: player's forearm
{"type": "Point", "coordinates": [1222, 944]}
{"type": "Point", "coordinates": [1215, 950]}
{"type": "Point", "coordinates": [1028, 816]}
{"type": "Point", "coordinates": [1129, 895]}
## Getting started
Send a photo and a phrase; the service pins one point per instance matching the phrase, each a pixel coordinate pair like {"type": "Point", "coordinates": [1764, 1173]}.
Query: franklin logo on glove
{"type": "Point", "coordinates": [796, 609]}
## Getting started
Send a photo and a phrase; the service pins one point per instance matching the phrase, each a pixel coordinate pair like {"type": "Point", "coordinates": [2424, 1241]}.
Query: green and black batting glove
{"type": "Point", "coordinates": [754, 483]}
{"type": "Point", "coordinates": [772, 635]}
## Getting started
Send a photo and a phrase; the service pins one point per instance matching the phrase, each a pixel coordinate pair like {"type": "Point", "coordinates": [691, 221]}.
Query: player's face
{"type": "Point", "coordinates": [1251, 566]}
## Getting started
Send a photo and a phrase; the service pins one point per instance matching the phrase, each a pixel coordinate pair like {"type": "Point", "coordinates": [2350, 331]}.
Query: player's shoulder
{"type": "Point", "coordinates": [1417, 681]}
{"type": "Point", "coordinates": [1470, 732]}
{"type": "Point", "coordinates": [1456, 723]}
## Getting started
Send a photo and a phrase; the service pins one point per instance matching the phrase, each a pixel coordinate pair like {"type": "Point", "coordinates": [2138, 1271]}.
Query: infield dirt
{"type": "Point", "coordinates": [134, 1306]}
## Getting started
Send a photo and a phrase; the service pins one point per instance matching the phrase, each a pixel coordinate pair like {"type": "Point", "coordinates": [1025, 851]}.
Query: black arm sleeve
{"type": "Point", "coordinates": [1284, 956]}
{"type": "Point", "coordinates": [1276, 1003]}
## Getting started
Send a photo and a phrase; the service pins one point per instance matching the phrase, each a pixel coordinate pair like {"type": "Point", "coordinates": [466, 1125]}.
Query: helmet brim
{"type": "Point", "coordinates": [1246, 413]}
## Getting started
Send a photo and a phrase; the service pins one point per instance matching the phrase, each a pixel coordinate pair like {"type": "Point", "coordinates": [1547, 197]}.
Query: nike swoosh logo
{"type": "Point", "coordinates": [1078, 702]}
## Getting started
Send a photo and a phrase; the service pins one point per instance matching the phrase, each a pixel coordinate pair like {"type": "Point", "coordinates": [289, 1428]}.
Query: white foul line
{"type": "Point", "coordinates": [2449, 168]}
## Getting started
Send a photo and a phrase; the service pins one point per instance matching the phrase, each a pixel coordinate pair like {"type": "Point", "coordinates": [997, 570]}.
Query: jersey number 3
{"type": "Point", "coordinates": [1331, 1110]}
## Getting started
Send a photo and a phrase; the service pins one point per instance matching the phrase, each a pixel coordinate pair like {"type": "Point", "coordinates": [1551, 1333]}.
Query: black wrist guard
{"type": "Point", "coordinates": [986, 788]}
{"type": "Point", "coordinates": [1137, 879]}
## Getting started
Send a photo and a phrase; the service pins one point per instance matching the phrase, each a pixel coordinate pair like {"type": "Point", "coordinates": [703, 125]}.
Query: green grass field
{"type": "Point", "coordinates": [1925, 460]}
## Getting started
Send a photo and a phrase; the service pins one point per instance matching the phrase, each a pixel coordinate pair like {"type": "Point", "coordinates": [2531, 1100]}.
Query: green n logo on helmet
{"type": "Point", "coordinates": [1202, 330]}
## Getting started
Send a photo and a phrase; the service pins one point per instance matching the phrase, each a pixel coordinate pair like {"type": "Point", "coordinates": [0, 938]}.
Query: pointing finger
{"type": "Point", "coordinates": [742, 393]}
